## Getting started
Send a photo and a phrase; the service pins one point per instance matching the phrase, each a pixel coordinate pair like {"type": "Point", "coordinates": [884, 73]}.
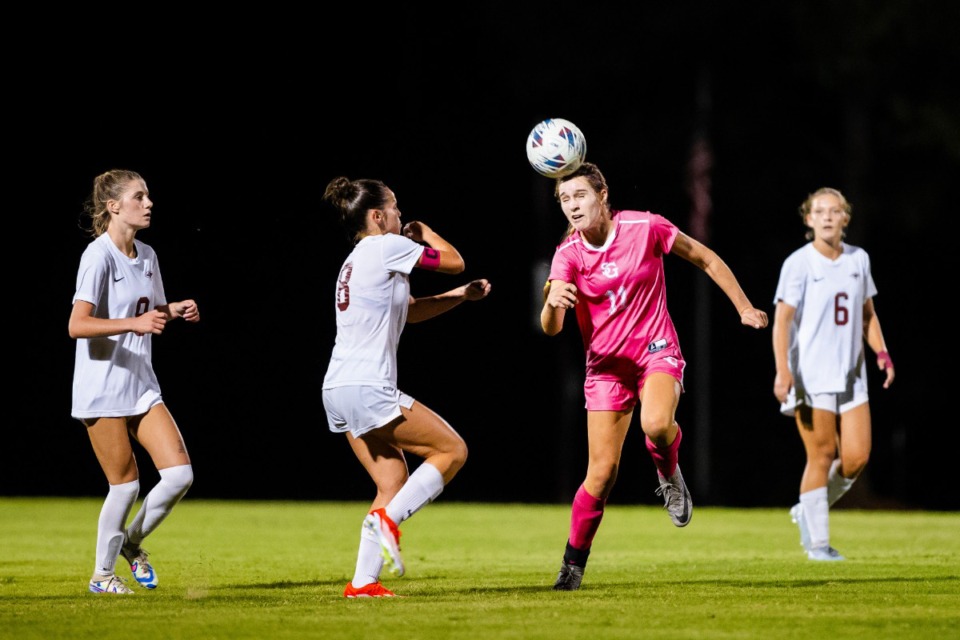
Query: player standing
{"type": "Point", "coordinates": [824, 311]}
{"type": "Point", "coordinates": [118, 306]}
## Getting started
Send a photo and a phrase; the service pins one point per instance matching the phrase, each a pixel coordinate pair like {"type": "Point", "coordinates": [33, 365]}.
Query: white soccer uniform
{"type": "Point", "coordinates": [113, 376]}
{"type": "Point", "coordinates": [372, 297]}
{"type": "Point", "coordinates": [826, 353]}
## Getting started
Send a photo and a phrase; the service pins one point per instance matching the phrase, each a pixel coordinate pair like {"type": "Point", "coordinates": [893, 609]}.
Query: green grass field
{"type": "Point", "coordinates": [276, 570]}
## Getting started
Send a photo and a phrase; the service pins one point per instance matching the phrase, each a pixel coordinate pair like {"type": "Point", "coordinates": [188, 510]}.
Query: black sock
{"type": "Point", "coordinates": [576, 556]}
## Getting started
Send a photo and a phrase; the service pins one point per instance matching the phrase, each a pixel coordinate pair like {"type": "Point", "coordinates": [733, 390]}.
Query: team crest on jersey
{"type": "Point", "coordinates": [609, 269]}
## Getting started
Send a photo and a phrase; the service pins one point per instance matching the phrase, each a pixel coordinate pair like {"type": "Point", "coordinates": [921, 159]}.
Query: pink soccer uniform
{"type": "Point", "coordinates": [622, 298]}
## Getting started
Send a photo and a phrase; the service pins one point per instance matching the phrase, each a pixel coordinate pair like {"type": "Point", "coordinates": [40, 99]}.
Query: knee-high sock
{"type": "Point", "coordinates": [665, 457]}
{"type": "Point", "coordinates": [816, 512]}
{"type": "Point", "coordinates": [369, 559]}
{"type": "Point", "coordinates": [173, 485]}
{"type": "Point", "coordinates": [585, 519]}
{"type": "Point", "coordinates": [113, 515]}
{"type": "Point", "coordinates": [837, 485]}
{"type": "Point", "coordinates": [421, 488]}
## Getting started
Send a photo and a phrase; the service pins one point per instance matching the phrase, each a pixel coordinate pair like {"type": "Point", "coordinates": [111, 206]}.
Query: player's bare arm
{"type": "Point", "coordinates": [707, 259]}
{"type": "Point", "coordinates": [782, 319]}
{"type": "Point", "coordinates": [427, 307]}
{"type": "Point", "coordinates": [186, 309]}
{"type": "Point", "coordinates": [559, 296]}
{"type": "Point", "coordinates": [874, 337]}
{"type": "Point", "coordinates": [83, 324]}
{"type": "Point", "coordinates": [442, 256]}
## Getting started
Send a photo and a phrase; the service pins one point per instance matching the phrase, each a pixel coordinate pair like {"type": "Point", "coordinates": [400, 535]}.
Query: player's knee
{"type": "Point", "coordinates": [657, 428]}
{"type": "Point", "coordinates": [456, 457]}
{"type": "Point", "coordinates": [602, 474]}
{"type": "Point", "coordinates": [854, 464]}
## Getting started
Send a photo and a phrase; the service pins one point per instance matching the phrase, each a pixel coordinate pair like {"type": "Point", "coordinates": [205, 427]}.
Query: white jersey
{"type": "Point", "coordinates": [826, 352]}
{"type": "Point", "coordinates": [113, 376]}
{"type": "Point", "coordinates": [373, 293]}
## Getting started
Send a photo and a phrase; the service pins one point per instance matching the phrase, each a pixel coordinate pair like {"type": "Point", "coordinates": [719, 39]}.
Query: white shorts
{"type": "Point", "coordinates": [838, 403]}
{"type": "Point", "coordinates": [359, 409]}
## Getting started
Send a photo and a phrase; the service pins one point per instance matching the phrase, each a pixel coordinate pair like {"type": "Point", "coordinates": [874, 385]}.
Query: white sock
{"type": "Point", "coordinates": [837, 485]}
{"type": "Point", "coordinates": [369, 560]}
{"type": "Point", "coordinates": [421, 488]}
{"type": "Point", "coordinates": [174, 483]}
{"type": "Point", "coordinates": [116, 507]}
{"type": "Point", "coordinates": [816, 512]}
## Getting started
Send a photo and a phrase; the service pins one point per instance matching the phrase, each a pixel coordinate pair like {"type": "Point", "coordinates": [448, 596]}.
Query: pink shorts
{"type": "Point", "coordinates": [606, 392]}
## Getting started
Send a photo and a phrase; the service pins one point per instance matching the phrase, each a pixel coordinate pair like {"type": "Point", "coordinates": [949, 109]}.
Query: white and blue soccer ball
{"type": "Point", "coordinates": [556, 147]}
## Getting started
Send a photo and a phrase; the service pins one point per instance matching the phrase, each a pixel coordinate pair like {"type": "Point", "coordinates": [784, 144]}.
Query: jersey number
{"type": "Point", "coordinates": [616, 299]}
{"type": "Point", "coordinates": [841, 315]}
{"type": "Point", "coordinates": [343, 287]}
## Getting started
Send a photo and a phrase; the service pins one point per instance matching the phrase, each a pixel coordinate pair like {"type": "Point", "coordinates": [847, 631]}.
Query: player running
{"type": "Point", "coordinates": [609, 269]}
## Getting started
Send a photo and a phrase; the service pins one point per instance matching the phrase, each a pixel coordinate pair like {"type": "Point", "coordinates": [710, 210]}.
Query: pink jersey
{"type": "Point", "coordinates": [622, 308]}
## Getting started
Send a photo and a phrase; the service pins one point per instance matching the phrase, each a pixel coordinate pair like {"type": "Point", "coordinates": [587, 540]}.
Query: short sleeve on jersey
{"type": "Point", "coordinates": [400, 253]}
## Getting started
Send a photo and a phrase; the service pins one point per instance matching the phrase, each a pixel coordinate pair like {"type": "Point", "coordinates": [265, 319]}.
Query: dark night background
{"type": "Point", "coordinates": [237, 124]}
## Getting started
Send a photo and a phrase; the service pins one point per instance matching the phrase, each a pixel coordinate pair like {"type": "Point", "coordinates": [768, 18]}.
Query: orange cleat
{"type": "Point", "coordinates": [372, 590]}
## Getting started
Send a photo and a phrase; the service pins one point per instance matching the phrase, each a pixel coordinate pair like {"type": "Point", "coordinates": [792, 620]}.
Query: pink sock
{"type": "Point", "coordinates": [585, 519]}
{"type": "Point", "coordinates": [665, 457]}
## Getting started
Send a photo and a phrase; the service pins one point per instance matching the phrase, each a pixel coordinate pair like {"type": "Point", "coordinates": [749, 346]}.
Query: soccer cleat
{"type": "Point", "coordinates": [796, 515]}
{"type": "Point", "coordinates": [569, 578]}
{"type": "Point", "coordinates": [372, 590]}
{"type": "Point", "coordinates": [676, 498]}
{"type": "Point", "coordinates": [388, 535]}
{"type": "Point", "coordinates": [141, 568]}
{"type": "Point", "coordinates": [825, 554]}
{"type": "Point", "coordinates": [111, 584]}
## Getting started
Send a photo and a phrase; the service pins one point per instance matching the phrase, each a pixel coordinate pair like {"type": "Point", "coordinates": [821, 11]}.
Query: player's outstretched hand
{"type": "Point", "coordinates": [753, 318]}
{"type": "Point", "coordinates": [476, 289]}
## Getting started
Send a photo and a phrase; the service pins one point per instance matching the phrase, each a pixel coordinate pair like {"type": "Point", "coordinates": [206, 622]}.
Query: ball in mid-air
{"type": "Point", "coordinates": [556, 147]}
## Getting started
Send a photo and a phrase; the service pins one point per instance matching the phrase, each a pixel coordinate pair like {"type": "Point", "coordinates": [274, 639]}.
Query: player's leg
{"type": "Point", "coordinates": [659, 398]}
{"type": "Point", "coordinates": [818, 431]}
{"type": "Point", "coordinates": [606, 433]}
{"type": "Point", "coordinates": [111, 445]}
{"type": "Point", "coordinates": [159, 435]}
{"type": "Point", "coordinates": [426, 435]}
{"type": "Point", "coordinates": [856, 441]}
{"type": "Point", "coordinates": [420, 432]}
{"type": "Point", "coordinates": [365, 413]}
{"type": "Point", "coordinates": [387, 468]}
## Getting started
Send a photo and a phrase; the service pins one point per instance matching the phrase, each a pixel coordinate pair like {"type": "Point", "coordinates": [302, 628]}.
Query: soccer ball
{"type": "Point", "coordinates": [556, 147]}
